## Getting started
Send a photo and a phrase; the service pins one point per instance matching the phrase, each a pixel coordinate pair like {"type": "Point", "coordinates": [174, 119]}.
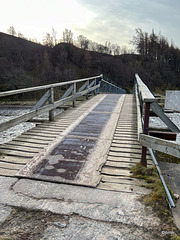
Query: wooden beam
{"type": "Point", "coordinates": [160, 145]}
{"type": "Point", "coordinates": [14, 92]}
{"type": "Point", "coordinates": [160, 113]}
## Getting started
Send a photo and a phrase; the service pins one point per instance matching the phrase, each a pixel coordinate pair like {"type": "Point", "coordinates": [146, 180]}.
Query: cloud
{"type": "Point", "coordinates": [117, 20]}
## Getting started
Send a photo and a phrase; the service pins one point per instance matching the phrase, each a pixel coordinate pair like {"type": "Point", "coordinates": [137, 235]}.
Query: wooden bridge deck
{"type": "Point", "coordinates": [110, 152]}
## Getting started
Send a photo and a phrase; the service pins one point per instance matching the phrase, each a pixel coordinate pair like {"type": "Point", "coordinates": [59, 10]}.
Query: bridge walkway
{"type": "Point", "coordinates": [93, 145]}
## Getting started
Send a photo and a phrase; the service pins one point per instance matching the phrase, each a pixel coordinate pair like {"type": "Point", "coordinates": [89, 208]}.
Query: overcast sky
{"type": "Point", "coordinates": [98, 20]}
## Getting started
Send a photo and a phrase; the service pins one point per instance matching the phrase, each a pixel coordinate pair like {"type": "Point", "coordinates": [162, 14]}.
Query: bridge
{"type": "Point", "coordinates": [92, 143]}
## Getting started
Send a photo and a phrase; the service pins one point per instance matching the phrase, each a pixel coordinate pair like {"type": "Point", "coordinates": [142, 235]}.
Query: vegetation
{"type": "Point", "coordinates": [157, 199]}
{"type": "Point", "coordinates": [25, 63]}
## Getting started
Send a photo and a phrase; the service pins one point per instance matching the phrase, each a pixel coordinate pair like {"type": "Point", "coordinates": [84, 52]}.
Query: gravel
{"type": "Point", "coordinates": [9, 112]}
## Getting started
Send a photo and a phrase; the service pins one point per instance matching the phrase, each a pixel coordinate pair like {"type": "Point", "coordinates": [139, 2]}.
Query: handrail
{"type": "Point", "coordinates": [24, 90]}
{"type": "Point", "coordinates": [145, 100]}
{"type": "Point", "coordinates": [145, 97]}
{"type": "Point", "coordinates": [116, 88]}
{"type": "Point", "coordinates": [41, 106]}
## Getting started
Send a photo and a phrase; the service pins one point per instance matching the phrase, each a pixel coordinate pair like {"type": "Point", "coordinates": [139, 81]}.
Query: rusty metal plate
{"type": "Point", "coordinates": [92, 125]}
{"type": "Point", "coordinates": [66, 159]}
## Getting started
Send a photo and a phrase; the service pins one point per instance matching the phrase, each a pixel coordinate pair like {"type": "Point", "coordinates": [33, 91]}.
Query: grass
{"type": "Point", "coordinates": [150, 175]}
{"type": "Point", "coordinates": [157, 199]}
{"type": "Point", "coordinates": [163, 157]}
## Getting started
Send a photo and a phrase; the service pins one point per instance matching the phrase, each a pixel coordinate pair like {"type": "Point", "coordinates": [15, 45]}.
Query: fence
{"type": "Point", "coordinates": [146, 101]}
{"type": "Point", "coordinates": [47, 103]}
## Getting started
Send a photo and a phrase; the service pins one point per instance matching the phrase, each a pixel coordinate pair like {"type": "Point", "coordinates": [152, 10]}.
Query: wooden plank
{"type": "Point", "coordinates": [18, 148]}
{"type": "Point", "coordinates": [126, 145]}
{"type": "Point", "coordinates": [125, 154]}
{"type": "Point", "coordinates": [122, 180]}
{"type": "Point", "coordinates": [50, 127]}
{"type": "Point", "coordinates": [116, 171]}
{"type": "Point", "coordinates": [118, 140]}
{"type": "Point", "coordinates": [17, 153]}
{"type": "Point", "coordinates": [27, 144]}
{"type": "Point", "coordinates": [133, 137]}
{"type": "Point", "coordinates": [14, 159]}
{"type": "Point", "coordinates": [160, 145]}
{"type": "Point", "coordinates": [41, 133]}
{"type": "Point", "coordinates": [7, 172]}
{"type": "Point", "coordinates": [38, 136]}
{"type": "Point", "coordinates": [123, 188]}
{"type": "Point", "coordinates": [126, 130]}
{"type": "Point", "coordinates": [125, 149]}
{"type": "Point", "coordinates": [13, 166]}
{"type": "Point", "coordinates": [127, 159]}
{"type": "Point", "coordinates": [26, 139]}
{"type": "Point", "coordinates": [118, 164]}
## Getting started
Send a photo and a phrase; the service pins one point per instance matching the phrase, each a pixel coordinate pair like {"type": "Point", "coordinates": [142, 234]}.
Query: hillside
{"type": "Point", "coordinates": [24, 64]}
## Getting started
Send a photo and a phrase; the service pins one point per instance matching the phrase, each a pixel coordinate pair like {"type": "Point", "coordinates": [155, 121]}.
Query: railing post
{"type": "Point", "coordinates": [51, 101]}
{"type": "Point", "coordinates": [95, 82]}
{"type": "Point", "coordinates": [74, 93]}
{"type": "Point", "coordinates": [87, 88]}
{"type": "Point", "coordinates": [145, 131]}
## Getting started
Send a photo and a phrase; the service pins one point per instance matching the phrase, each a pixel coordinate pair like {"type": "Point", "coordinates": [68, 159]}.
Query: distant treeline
{"type": "Point", "coordinates": [24, 63]}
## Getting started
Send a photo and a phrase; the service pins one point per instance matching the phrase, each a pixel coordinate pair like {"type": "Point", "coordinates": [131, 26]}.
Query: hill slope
{"type": "Point", "coordinates": [24, 64]}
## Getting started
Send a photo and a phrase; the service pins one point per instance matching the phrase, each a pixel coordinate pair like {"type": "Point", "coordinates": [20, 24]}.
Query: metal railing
{"type": "Point", "coordinates": [108, 86]}
{"type": "Point", "coordinates": [47, 102]}
{"type": "Point", "coordinates": [146, 101]}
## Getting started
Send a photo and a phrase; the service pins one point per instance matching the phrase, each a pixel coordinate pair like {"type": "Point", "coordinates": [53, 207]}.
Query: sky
{"type": "Point", "coordinates": [98, 20]}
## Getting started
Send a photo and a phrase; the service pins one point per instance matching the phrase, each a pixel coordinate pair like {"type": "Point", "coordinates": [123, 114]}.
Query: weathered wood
{"type": "Point", "coordinates": [139, 119]}
{"type": "Point", "coordinates": [125, 149]}
{"type": "Point", "coordinates": [13, 166]}
{"type": "Point", "coordinates": [35, 134]}
{"type": "Point", "coordinates": [13, 92]}
{"type": "Point", "coordinates": [125, 154]}
{"type": "Point", "coordinates": [34, 113]}
{"type": "Point", "coordinates": [126, 145]}
{"type": "Point", "coordinates": [146, 95]}
{"type": "Point", "coordinates": [160, 113]}
{"type": "Point", "coordinates": [123, 188]}
{"type": "Point", "coordinates": [18, 148]}
{"type": "Point", "coordinates": [27, 144]}
{"type": "Point", "coordinates": [119, 164]}
{"type": "Point", "coordinates": [26, 139]}
{"type": "Point", "coordinates": [160, 145]}
{"type": "Point", "coordinates": [116, 171]}
{"type": "Point", "coordinates": [128, 159]}
{"type": "Point", "coordinates": [46, 131]}
{"type": "Point", "coordinates": [42, 101]}
{"type": "Point", "coordinates": [122, 180]}
{"type": "Point", "coordinates": [14, 159]}
{"type": "Point", "coordinates": [7, 172]}
{"type": "Point", "coordinates": [17, 153]}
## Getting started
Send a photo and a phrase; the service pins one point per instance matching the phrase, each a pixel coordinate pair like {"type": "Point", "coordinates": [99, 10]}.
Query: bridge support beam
{"type": "Point", "coordinates": [145, 131]}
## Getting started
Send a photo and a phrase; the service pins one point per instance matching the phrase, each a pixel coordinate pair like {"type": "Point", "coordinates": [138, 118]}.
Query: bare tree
{"type": "Point", "coordinates": [54, 33]}
{"type": "Point", "coordinates": [67, 36]}
{"type": "Point", "coordinates": [83, 42]}
{"type": "Point", "coordinates": [11, 31]}
{"type": "Point", "coordinates": [48, 40]}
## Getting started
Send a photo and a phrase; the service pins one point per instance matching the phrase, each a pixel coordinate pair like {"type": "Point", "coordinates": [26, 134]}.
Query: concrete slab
{"type": "Point", "coordinates": [88, 202]}
{"type": "Point", "coordinates": [171, 173]}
